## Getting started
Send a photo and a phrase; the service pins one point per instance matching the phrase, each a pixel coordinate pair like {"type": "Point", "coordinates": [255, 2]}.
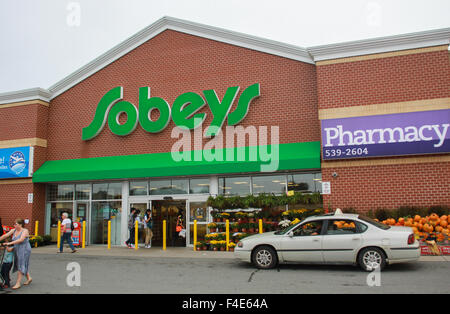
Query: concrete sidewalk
{"type": "Point", "coordinates": [171, 252]}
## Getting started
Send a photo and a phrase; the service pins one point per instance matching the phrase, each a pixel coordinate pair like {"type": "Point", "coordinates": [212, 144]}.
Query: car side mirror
{"type": "Point", "coordinates": [290, 234]}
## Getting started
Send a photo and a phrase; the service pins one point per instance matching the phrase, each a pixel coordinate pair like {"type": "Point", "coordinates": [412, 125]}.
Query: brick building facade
{"type": "Point", "coordinates": [298, 88]}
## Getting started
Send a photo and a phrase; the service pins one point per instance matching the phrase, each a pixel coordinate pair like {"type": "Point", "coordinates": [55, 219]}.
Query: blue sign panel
{"type": "Point", "coordinates": [16, 162]}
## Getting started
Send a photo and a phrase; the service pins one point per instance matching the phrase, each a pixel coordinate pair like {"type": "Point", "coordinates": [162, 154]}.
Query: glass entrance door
{"type": "Point", "coordinates": [168, 210]}
{"type": "Point", "coordinates": [81, 214]}
{"type": "Point", "coordinates": [197, 211]}
{"type": "Point", "coordinates": [101, 212]}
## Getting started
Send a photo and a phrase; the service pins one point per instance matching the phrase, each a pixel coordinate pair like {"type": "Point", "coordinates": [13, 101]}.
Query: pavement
{"type": "Point", "coordinates": [170, 252]}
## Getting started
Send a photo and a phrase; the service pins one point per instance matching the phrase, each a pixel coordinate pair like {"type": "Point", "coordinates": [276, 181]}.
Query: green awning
{"type": "Point", "coordinates": [291, 156]}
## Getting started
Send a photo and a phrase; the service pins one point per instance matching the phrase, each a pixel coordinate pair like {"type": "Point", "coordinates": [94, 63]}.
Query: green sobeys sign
{"type": "Point", "coordinates": [183, 112]}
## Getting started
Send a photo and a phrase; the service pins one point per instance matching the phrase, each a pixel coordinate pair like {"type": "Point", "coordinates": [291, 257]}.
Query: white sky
{"type": "Point", "coordinates": [41, 41]}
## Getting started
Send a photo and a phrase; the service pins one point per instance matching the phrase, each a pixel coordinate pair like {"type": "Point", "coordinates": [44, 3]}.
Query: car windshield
{"type": "Point", "coordinates": [286, 230]}
{"type": "Point", "coordinates": [374, 222]}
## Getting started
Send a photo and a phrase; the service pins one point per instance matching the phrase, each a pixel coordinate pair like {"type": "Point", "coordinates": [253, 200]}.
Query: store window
{"type": "Point", "coordinates": [106, 191]}
{"type": "Point", "coordinates": [234, 186]}
{"type": "Point", "coordinates": [60, 192]}
{"type": "Point", "coordinates": [303, 182]}
{"type": "Point", "coordinates": [198, 186]}
{"type": "Point", "coordinates": [269, 184]}
{"type": "Point", "coordinates": [82, 191]}
{"type": "Point", "coordinates": [163, 187]}
{"type": "Point", "coordinates": [56, 210]}
{"type": "Point", "coordinates": [138, 188]}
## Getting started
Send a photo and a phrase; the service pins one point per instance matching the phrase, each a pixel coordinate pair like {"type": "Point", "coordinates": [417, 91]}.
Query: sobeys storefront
{"type": "Point", "coordinates": [205, 159]}
{"type": "Point", "coordinates": [100, 202]}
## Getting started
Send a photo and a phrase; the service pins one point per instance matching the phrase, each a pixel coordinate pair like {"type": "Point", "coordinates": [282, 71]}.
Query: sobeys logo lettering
{"type": "Point", "coordinates": [183, 112]}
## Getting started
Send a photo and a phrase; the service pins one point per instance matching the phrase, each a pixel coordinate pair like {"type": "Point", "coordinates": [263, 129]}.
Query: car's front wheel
{"type": "Point", "coordinates": [371, 258]}
{"type": "Point", "coordinates": [264, 257]}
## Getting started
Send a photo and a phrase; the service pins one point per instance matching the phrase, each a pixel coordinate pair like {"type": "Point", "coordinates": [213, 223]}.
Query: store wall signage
{"type": "Point", "coordinates": [425, 132]}
{"type": "Point", "coordinates": [16, 162]}
{"type": "Point", "coordinates": [184, 111]}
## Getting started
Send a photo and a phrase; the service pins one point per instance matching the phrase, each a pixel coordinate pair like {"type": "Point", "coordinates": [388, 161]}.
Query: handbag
{"type": "Point", "coordinates": [182, 233]}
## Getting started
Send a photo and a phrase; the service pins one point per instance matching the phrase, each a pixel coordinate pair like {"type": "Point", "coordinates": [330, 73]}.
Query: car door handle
{"type": "Point", "coordinates": [355, 239]}
{"type": "Point", "coordinates": [316, 240]}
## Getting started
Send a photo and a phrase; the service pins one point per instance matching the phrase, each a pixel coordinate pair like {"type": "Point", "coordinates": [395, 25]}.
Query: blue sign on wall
{"type": "Point", "coordinates": [16, 162]}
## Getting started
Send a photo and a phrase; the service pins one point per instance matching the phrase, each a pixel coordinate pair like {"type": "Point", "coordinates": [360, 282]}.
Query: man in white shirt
{"type": "Point", "coordinates": [66, 233]}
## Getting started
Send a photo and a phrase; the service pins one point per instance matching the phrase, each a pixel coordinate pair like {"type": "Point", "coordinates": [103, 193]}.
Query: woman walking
{"type": "Point", "coordinates": [22, 251]}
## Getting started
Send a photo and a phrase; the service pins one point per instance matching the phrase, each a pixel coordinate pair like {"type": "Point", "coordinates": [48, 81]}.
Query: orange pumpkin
{"type": "Point", "coordinates": [423, 221]}
{"type": "Point", "coordinates": [444, 217]}
{"type": "Point", "coordinates": [445, 231]}
{"type": "Point", "coordinates": [443, 223]}
{"type": "Point", "coordinates": [428, 228]}
{"type": "Point", "coordinates": [438, 229]}
{"type": "Point", "coordinates": [434, 216]}
{"type": "Point", "coordinates": [435, 222]}
{"type": "Point", "coordinates": [417, 218]}
{"type": "Point", "coordinates": [420, 226]}
{"type": "Point", "coordinates": [415, 230]}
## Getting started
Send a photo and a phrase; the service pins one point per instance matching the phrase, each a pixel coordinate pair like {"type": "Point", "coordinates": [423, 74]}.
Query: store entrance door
{"type": "Point", "coordinates": [168, 210]}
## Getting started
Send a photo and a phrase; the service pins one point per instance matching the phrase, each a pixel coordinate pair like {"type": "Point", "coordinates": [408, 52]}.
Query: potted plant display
{"type": "Point", "coordinates": [212, 227]}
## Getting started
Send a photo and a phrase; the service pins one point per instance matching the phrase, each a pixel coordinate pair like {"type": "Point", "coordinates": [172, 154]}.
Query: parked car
{"type": "Point", "coordinates": [332, 238]}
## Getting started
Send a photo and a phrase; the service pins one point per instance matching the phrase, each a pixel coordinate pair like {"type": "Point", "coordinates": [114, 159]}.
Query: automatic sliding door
{"type": "Point", "coordinates": [168, 210]}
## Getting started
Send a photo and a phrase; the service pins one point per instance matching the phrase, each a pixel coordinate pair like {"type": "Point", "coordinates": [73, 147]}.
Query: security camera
{"type": "Point", "coordinates": [334, 174]}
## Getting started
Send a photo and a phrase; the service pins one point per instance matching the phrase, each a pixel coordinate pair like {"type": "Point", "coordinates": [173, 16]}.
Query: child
{"type": "Point", "coordinates": [7, 264]}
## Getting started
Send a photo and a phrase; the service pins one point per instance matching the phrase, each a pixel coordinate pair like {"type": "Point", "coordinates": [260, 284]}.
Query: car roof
{"type": "Point", "coordinates": [333, 216]}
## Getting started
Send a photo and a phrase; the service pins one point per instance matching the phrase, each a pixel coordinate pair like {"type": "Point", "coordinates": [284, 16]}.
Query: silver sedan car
{"type": "Point", "coordinates": [335, 239]}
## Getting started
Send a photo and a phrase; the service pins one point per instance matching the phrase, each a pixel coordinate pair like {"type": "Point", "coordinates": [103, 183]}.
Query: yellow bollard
{"type": "Point", "coordinates": [83, 245]}
{"type": "Point", "coordinates": [164, 235]}
{"type": "Point", "coordinates": [227, 229]}
{"type": "Point", "coordinates": [109, 234]}
{"type": "Point", "coordinates": [195, 235]}
{"type": "Point", "coordinates": [59, 235]}
{"type": "Point", "coordinates": [136, 235]}
{"type": "Point", "coordinates": [36, 226]}
{"type": "Point", "coordinates": [260, 226]}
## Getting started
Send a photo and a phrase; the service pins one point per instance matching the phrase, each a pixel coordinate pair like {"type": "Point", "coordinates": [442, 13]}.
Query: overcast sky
{"type": "Point", "coordinates": [43, 41]}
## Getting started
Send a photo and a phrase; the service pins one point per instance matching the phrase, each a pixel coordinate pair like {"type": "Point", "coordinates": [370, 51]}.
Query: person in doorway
{"type": "Point", "coordinates": [148, 220]}
{"type": "Point", "coordinates": [8, 260]}
{"type": "Point", "coordinates": [131, 228]}
{"type": "Point", "coordinates": [178, 228]}
{"type": "Point", "coordinates": [22, 251]}
{"type": "Point", "coordinates": [66, 230]}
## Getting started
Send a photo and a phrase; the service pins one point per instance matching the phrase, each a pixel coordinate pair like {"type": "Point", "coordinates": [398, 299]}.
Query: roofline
{"type": "Point", "coordinates": [183, 26]}
{"type": "Point", "coordinates": [36, 93]}
{"type": "Point", "coordinates": [308, 55]}
{"type": "Point", "coordinates": [416, 40]}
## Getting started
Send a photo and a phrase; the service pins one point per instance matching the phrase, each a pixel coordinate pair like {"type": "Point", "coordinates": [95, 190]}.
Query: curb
{"type": "Point", "coordinates": [169, 253]}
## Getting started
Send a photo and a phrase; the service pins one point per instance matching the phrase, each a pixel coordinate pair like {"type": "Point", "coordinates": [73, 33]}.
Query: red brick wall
{"type": "Point", "coordinates": [173, 63]}
{"type": "Point", "coordinates": [388, 186]}
{"type": "Point", "coordinates": [377, 81]}
{"type": "Point", "coordinates": [14, 204]}
{"type": "Point", "coordinates": [26, 121]}
{"type": "Point", "coordinates": [385, 80]}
